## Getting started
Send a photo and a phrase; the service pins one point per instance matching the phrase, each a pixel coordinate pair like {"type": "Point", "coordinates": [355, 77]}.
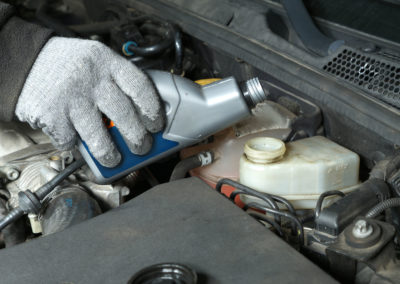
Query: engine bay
{"type": "Point", "coordinates": [305, 166]}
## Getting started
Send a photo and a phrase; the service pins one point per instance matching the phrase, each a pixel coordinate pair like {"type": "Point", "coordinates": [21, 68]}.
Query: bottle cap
{"type": "Point", "coordinates": [264, 150]}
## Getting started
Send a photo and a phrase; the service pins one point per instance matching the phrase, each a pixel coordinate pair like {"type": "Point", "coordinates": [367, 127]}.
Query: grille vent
{"type": "Point", "coordinates": [376, 76]}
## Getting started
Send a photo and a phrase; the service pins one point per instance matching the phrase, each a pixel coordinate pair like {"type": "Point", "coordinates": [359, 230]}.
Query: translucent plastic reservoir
{"type": "Point", "coordinates": [299, 171]}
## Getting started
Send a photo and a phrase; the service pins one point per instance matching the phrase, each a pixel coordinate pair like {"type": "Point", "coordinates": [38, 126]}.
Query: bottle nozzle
{"type": "Point", "coordinates": [253, 92]}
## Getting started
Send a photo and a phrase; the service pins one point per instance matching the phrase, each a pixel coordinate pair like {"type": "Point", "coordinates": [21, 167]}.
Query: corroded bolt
{"type": "Point", "coordinates": [362, 229]}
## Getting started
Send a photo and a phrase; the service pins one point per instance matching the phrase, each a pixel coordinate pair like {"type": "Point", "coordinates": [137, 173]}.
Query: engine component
{"type": "Point", "coordinates": [271, 201]}
{"type": "Point", "coordinates": [65, 207]}
{"type": "Point", "coordinates": [333, 219]}
{"type": "Point", "coordinates": [362, 251]}
{"type": "Point", "coordinates": [28, 162]}
{"type": "Point", "coordinates": [189, 223]}
{"type": "Point", "coordinates": [268, 119]}
{"type": "Point", "coordinates": [193, 113]}
{"type": "Point", "coordinates": [286, 117]}
{"type": "Point", "coordinates": [301, 171]}
{"type": "Point", "coordinates": [30, 202]}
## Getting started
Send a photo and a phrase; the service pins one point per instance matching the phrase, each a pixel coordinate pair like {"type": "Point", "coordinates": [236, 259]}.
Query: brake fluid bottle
{"type": "Point", "coordinates": [193, 113]}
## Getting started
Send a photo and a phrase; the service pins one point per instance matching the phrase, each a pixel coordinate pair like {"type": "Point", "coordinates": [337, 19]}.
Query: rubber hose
{"type": "Point", "coordinates": [156, 48]}
{"type": "Point", "coordinates": [380, 207]}
{"type": "Point", "coordinates": [178, 52]}
{"type": "Point", "coordinates": [312, 38]}
{"type": "Point", "coordinates": [190, 163]}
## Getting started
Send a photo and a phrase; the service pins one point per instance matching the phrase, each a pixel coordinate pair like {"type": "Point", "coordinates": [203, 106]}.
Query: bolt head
{"type": "Point", "coordinates": [362, 229]}
{"type": "Point", "coordinates": [12, 174]}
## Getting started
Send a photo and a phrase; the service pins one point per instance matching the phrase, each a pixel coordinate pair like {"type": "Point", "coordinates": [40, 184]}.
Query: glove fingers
{"type": "Point", "coordinates": [140, 89]}
{"type": "Point", "coordinates": [88, 122]}
{"type": "Point", "coordinates": [63, 136]}
{"type": "Point", "coordinates": [121, 111]}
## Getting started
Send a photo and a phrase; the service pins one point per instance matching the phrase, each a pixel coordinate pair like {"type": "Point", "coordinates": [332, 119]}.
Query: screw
{"type": "Point", "coordinates": [362, 229]}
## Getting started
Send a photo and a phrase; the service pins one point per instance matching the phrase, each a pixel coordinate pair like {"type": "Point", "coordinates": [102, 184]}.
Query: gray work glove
{"type": "Point", "coordinates": [74, 81]}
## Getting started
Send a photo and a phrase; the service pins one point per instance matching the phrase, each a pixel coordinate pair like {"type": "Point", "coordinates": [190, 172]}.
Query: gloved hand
{"type": "Point", "coordinates": [74, 81]}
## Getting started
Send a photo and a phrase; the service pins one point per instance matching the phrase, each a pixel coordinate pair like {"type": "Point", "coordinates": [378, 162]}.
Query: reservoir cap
{"type": "Point", "coordinates": [264, 150]}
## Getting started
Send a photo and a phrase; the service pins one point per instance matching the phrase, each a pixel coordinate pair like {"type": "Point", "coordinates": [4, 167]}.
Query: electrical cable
{"type": "Point", "coordinates": [287, 215]}
{"type": "Point", "coordinates": [29, 200]}
{"type": "Point", "coordinates": [321, 198]}
{"type": "Point", "coordinates": [380, 207]}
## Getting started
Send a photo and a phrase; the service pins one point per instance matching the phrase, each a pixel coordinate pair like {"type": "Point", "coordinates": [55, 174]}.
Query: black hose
{"type": "Point", "coordinates": [380, 207]}
{"type": "Point", "coordinates": [306, 218]}
{"type": "Point", "coordinates": [15, 233]}
{"type": "Point", "coordinates": [261, 217]}
{"type": "Point", "coordinates": [165, 32]}
{"type": "Point", "coordinates": [150, 50]}
{"type": "Point", "coordinates": [178, 52]}
{"type": "Point", "coordinates": [312, 38]}
{"type": "Point", "coordinates": [287, 215]}
{"type": "Point", "coordinates": [192, 162]}
{"type": "Point", "coordinates": [41, 193]}
{"type": "Point", "coordinates": [94, 28]}
{"type": "Point", "coordinates": [42, 16]}
{"type": "Point", "coordinates": [321, 198]}
{"type": "Point", "coordinates": [184, 166]}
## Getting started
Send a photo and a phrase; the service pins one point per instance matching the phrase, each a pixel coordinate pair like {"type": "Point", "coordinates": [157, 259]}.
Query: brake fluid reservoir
{"type": "Point", "coordinates": [298, 171]}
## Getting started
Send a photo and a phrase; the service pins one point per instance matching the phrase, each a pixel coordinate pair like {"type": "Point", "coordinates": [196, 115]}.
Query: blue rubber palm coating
{"type": "Point", "coordinates": [129, 160]}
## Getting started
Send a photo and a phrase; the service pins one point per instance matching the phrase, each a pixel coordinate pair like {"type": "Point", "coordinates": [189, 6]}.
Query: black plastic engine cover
{"type": "Point", "coordinates": [185, 222]}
